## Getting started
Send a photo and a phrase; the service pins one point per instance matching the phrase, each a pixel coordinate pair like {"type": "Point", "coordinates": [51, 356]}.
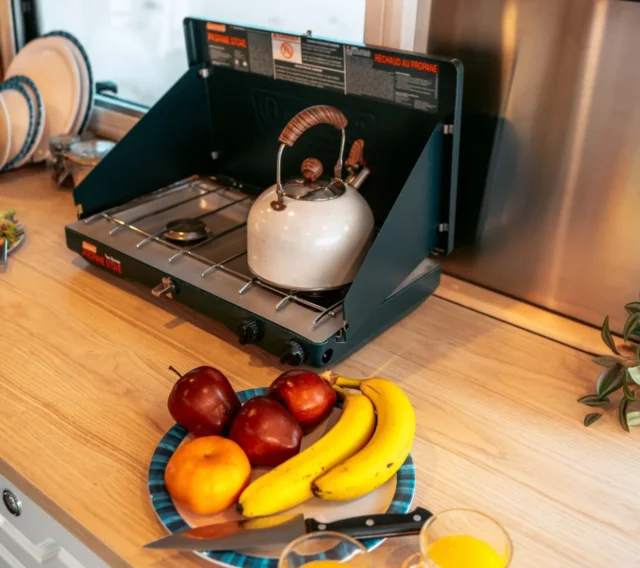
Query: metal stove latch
{"type": "Point", "coordinates": [165, 288]}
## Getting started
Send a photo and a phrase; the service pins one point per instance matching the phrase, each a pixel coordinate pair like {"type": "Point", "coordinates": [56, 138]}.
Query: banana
{"type": "Point", "coordinates": [382, 457]}
{"type": "Point", "coordinates": [289, 484]}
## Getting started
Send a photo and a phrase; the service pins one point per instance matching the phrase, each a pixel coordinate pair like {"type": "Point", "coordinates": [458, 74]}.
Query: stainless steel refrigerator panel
{"type": "Point", "coordinates": [549, 196]}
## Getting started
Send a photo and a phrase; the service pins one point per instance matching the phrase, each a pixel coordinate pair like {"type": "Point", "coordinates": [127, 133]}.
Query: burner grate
{"type": "Point", "coordinates": [222, 242]}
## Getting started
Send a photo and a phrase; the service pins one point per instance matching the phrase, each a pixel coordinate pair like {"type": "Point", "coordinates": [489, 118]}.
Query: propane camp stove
{"type": "Point", "coordinates": [146, 217]}
{"type": "Point", "coordinates": [195, 231]}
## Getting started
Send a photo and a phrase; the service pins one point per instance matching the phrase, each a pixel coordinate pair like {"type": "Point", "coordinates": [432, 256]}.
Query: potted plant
{"type": "Point", "coordinates": [622, 372]}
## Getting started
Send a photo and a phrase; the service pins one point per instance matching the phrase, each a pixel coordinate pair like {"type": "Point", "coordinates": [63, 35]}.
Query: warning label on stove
{"type": "Point", "coordinates": [308, 61]}
{"type": "Point", "coordinates": [407, 80]}
{"type": "Point", "coordinates": [260, 60]}
{"type": "Point", "coordinates": [385, 75]}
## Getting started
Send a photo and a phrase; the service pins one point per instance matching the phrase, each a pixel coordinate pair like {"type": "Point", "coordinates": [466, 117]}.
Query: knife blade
{"type": "Point", "coordinates": [282, 529]}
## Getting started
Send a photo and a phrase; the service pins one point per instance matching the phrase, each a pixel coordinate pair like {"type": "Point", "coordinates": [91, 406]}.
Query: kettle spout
{"type": "Point", "coordinates": [356, 180]}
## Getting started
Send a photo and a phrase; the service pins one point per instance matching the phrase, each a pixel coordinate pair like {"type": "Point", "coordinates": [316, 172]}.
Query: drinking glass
{"type": "Point", "coordinates": [325, 550]}
{"type": "Point", "coordinates": [461, 537]}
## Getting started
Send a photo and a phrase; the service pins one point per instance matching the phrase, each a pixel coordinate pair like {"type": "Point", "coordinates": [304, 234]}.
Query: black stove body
{"type": "Point", "coordinates": [167, 206]}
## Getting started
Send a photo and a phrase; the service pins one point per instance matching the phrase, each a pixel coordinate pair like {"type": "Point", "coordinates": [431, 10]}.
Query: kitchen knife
{"type": "Point", "coordinates": [282, 529]}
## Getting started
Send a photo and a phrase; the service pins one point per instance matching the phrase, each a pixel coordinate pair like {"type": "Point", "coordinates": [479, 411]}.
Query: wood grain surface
{"type": "Point", "coordinates": [84, 382]}
{"type": "Point", "coordinates": [535, 319]}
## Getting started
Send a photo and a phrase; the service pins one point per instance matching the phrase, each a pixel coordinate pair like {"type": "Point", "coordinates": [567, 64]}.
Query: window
{"type": "Point", "coordinates": [139, 44]}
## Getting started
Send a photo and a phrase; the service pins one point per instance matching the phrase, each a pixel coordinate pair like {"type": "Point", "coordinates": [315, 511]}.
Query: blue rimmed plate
{"type": "Point", "coordinates": [38, 117]}
{"type": "Point", "coordinates": [16, 244]}
{"type": "Point", "coordinates": [86, 78]}
{"type": "Point", "coordinates": [395, 496]}
{"type": "Point", "coordinates": [22, 116]}
{"type": "Point", "coordinates": [51, 65]}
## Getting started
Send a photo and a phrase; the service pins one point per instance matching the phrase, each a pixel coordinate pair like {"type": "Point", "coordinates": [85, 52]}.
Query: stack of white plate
{"type": "Point", "coordinates": [48, 90]}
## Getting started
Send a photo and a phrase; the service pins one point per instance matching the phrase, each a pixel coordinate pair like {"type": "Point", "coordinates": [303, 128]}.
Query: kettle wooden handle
{"type": "Point", "coordinates": [356, 157]}
{"type": "Point", "coordinates": [309, 117]}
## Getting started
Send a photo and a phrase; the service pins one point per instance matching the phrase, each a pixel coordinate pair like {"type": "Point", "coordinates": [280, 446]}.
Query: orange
{"type": "Point", "coordinates": [207, 474]}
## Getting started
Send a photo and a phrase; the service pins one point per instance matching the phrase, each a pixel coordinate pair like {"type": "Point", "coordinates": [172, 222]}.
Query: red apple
{"type": "Point", "coordinates": [267, 433]}
{"type": "Point", "coordinates": [307, 396]}
{"type": "Point", "coordinates": [204, 402]}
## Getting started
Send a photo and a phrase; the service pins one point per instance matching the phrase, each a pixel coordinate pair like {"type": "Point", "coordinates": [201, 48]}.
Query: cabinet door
{"type": "Point", "coordinates": [8, 560]}
{"type": "Point", "coordinates": [32, 538]}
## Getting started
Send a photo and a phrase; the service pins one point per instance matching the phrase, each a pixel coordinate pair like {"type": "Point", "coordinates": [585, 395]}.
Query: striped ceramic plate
{"type": "Point", "coordinates": [395, 496]}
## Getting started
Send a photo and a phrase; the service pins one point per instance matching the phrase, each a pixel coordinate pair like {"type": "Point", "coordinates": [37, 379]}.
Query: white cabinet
{"type": "Point", "coordinates": [33, 539]}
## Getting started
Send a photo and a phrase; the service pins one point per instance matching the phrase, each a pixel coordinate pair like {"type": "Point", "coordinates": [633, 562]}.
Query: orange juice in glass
{"type": "Point", "coordinates": [461, 538]}
{"type": "Point", "coordinates": [325, 550]}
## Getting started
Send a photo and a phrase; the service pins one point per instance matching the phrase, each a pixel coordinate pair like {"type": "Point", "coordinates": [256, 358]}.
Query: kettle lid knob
{"type": "Point", "coordinates": [311, 169]}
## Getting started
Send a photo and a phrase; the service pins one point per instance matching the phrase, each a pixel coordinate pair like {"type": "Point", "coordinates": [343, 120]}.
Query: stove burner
{"type": "Point", "coordinates": [325, 297]}
{"type": "Point", "coordinates": [186, 230]}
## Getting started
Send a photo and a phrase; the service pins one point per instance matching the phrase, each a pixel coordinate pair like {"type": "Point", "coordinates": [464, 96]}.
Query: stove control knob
{"type": "Point", "coordinates": [292, 354]}
{"type": "Point", "coordinates": [249, 331]}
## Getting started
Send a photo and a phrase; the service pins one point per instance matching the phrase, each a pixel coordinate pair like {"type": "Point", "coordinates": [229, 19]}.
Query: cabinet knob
{"type": "Point", "coordinates": [12, 502]}
{"type": "Point", "coordinates": [292, 354]}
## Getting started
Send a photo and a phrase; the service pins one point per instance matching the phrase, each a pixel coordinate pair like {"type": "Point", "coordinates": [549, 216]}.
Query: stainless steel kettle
{"type": "Point", "coordinates": [312, 233]}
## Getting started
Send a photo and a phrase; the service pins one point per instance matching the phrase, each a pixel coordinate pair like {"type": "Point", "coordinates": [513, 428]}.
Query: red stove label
{"type": "Point", "coordinates": [89, 247]}
{"type": "Point", "coordinates": [90, 252]}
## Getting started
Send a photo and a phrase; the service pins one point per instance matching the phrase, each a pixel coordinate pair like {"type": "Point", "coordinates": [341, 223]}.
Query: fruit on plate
{"type": "Point", "coordinates": [307, 396]}
{"type": "Point", "coordinates": [289, 484]}
{"type": "Point", "coordinates": [10, 228]}
{"type": "Point", "coordinates": [203, 401]}
{"type": "Point", "coordinates": [385, 453]}
{"type": "Point", "coordinates": [266, 431]}
{"type": "Point", "coordinates": [207, 474]}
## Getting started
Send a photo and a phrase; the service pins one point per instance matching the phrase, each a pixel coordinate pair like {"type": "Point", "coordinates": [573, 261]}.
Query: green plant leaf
{"type": "Point", "coordinates": [634, 374]}
{"type": "Point", "coordinates": [622, 413]}
{"type": "Point", "coordinates": [633, 418]}
{"type": "Point", "coordinates": [614, 386]}
{"type": "Point", "coordinates": [628, 393]}
{"type": "Point", "coordinates": [589, 419]}
{"type": "Point", "coordinates": [606, 379]}
{"type": "Point", "coordinates": [630, 326]}
{"type": "Point", "coordinates": [632, 308]}
{"type": "Point", "coordinates": [605, 361]}
{"type": "Point", "coordinates": [607, 337]}
{"type": "Point", "coordinates": [593, 400]}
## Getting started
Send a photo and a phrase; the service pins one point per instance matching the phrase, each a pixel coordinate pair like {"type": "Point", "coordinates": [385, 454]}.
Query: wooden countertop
{"type": "Point", "coordinates": [84, 381]}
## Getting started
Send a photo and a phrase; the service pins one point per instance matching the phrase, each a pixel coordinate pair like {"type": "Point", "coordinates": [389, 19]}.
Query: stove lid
{"type": "Point", "coordinates": [383, 92]}
{"type": "Point", "coordinates": [169, 143]}
{"type": "Point", "coordinates": [407, 237]}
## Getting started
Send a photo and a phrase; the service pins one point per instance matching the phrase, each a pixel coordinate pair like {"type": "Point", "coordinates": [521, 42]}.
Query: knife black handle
{"type": "Point", "coordinates": [375, 526]}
